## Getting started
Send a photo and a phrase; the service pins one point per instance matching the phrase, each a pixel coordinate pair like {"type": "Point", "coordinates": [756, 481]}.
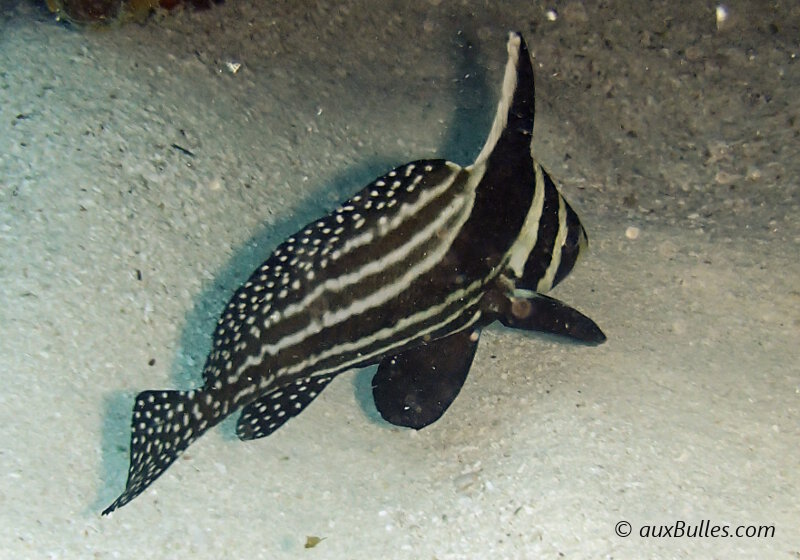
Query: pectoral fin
{"type": "Point", "coordinates": [413, 389]}
{"type": "Point", "coordinates": [532, 311]}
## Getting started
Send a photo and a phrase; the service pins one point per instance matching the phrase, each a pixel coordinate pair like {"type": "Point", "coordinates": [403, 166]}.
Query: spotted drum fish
{"type": "Point", "coordinates": [405, 274]}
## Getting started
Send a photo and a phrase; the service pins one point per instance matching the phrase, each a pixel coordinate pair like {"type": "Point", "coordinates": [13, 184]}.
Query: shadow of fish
{"type": "Point", "coordinates": [404, 275]}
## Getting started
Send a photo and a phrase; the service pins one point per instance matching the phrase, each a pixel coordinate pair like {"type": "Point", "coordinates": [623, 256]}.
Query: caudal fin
{"type": "Point", "coordinates": [164, 424]}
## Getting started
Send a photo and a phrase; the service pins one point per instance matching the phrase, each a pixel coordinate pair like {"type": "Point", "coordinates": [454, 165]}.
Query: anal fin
{"type": "Point", "coordinates": [414, 388]}
{"type": "Point", "coordinates": [270, 412]}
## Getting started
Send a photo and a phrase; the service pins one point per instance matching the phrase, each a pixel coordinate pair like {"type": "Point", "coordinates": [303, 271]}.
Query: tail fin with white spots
{"type": "Point", "coordinates": [164, 424]}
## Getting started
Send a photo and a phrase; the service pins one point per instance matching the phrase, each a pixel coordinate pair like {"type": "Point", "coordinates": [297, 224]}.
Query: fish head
{"type": "Point", "coordinates": [550, 242]}
{"type": "Point", "coordinates": [575, 244]}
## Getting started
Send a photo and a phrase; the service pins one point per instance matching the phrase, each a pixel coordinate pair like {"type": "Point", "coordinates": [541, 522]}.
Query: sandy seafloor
{"type": "Point", "coordinates": [676, 139]}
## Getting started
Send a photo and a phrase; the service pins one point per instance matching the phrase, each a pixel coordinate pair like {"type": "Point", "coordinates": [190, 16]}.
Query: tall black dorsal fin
{"type": "Point", "coordinates": [414, 388]}
{"type": "Point", "coordinates": [512, 129]}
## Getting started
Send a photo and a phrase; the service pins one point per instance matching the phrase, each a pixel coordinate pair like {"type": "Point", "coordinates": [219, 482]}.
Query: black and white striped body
{"type": "Point", "coordinates": [404, 274]}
